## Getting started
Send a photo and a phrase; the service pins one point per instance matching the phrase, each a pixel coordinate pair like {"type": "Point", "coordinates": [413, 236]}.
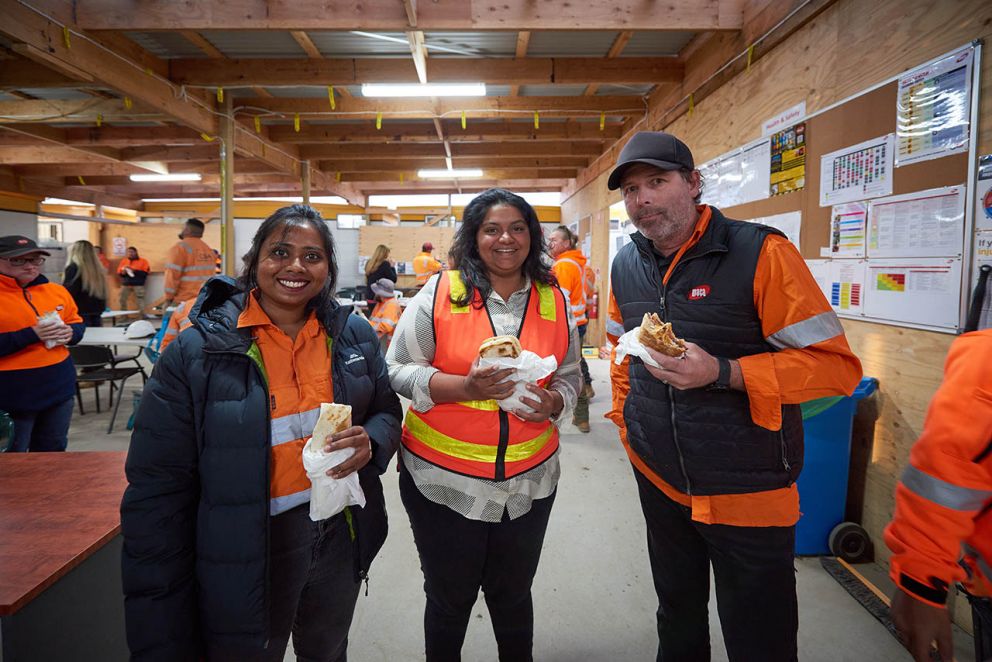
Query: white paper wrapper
{"type": "Point", "coordinates": [629, 344]}
{"type": "Point", "coordinates": [528, 367]}
{"type": "Point", "coordinates": [51, 318]}
{"type": "Point", "coordinates": [329, 496]}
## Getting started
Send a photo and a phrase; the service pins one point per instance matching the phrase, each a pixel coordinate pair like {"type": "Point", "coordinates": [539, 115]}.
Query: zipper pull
{"type": "Point", "coordinates": [366, 585]}
{"type": "Point", "coordinates": [662, 303]}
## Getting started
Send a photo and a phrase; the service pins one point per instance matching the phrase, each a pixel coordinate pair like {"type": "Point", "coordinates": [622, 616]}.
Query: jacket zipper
{"type": "Point", "coordinates": [27, 297]}
{"type": "Point", "coordinates": [785, 459]}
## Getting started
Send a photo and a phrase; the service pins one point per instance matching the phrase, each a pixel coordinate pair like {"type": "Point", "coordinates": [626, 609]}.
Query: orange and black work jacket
{"type": "Point", "coordinates": [740, 291]}
{"type": "Point", "coordinates": [942, 529]}
{"type": "Point", "coordinates": [384, 317]}
{"type": "Point", "coordinates": [478, 438]}
{"type": "Point", "coordinates": [33, 377]}
{"type": "Point", "coordinates": [425, 266]}
{"type": "Point", "coordinates": [139, 266]}
{"type": "Point", "coordinates": [569, 268]}
{"type": "Point", "coordinates": [178, 322]}
{"type": "Point", "coordinates": [187, 267]}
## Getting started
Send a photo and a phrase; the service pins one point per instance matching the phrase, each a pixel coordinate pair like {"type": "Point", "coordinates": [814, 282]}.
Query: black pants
{"type": "Point", "coordinates": [755, 584]}
{"type": "Point", "coordinates": [981, 618]}
{"type": "Point", "coordinates": [460, 555]}
{"type": "Point", "coordinates": [587, 379]}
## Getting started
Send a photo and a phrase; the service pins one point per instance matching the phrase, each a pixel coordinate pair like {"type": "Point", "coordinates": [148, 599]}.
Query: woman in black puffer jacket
{"type": "Point", "coordinates": [221, 560]}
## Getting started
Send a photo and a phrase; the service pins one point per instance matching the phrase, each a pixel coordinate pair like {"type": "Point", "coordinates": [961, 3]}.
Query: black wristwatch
{"type": "Point", "coordinates": [722, 382]}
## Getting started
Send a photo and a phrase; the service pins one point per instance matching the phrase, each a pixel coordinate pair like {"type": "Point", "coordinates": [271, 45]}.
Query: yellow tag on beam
{"type": "Point", "coordinates": [330, 97]}
{"type": "Point", "coordinates": [65, 36]}
{"type": "Point", "coordinates": [296, 122]}
{"type": "Point", "coordinates": [208, 137]}
{"type": "Point", "coordinates": [220, 95]}
{"type": "Point", "coordinates": [128, 103]}
{"type": "Point", "coordinates": [401, 178]}
{"type": "Point", "coordinates": [750, 54]}
{"type": "Point", "coordinates": [99, 120]}
{"type": "Point", "coordinates": [692, 104]}
{"type": "Point", "coordinates": [378, 121]}
{"type": "Point", "coordinates": [602, 121]}
{"type": "Point", "coordinates": [337, 176]}
{"type": "Point", "coordinates": [537, 120]}
{"type": "Point", "coordinates": [258, 124]}
{"type": "Point", "coordinates": [463, 120]}
{"type": "Point", "coordinates": [82, 182]}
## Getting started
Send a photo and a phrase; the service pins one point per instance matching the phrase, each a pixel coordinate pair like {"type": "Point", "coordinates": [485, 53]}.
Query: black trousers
{"type": "Point", "coordinates": [459, 556]}
{"type": "Point", "coordinates": [755, 584]}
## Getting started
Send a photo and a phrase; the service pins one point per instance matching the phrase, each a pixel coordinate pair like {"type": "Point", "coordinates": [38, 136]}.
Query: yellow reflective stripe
{"type": "Point", "coordinates": [465, 450]}
{"type": "Point", "coordinates": [456, 287]}
{"type": "Point", "coordinates": [483, 405]}
{"type": "Point", "coordinates": [546, 302]}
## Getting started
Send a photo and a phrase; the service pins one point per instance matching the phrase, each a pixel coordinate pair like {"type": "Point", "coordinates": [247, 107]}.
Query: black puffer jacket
{"type": "Point", "coordinates": [195, 516]}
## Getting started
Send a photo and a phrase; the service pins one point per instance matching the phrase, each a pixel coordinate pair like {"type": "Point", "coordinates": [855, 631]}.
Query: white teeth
{"type": "Point", "coordinates": [295, 284]}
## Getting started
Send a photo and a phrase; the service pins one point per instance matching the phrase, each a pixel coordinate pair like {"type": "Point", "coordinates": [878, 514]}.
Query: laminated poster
{"type": "Point", "coordinates": [848, 226]}
{"type": "Point", "coordinates": [788, 160]}
{"type": "Point", "coordinates": [921, 224]}
{"type": "Point", "coordinates": [847, 286]}
{"type": "Point", "coordinates": [983, 196]}
{"type": "Point", "coordinates": [922, 291]}
{"type": "Point", "coordinates": [933, 106]}
{"type": "Point", "coordinates": [858, 172]}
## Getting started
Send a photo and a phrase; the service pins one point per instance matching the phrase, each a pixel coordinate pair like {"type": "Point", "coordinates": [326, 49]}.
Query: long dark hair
{"type": "Point", "coordinates": [465, 248]}
{"type": "Point", "coordinates": [283, 220]}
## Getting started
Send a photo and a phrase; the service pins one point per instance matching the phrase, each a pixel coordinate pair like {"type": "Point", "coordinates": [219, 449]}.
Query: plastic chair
{"type": "Point", "coordinates": [95, 365]}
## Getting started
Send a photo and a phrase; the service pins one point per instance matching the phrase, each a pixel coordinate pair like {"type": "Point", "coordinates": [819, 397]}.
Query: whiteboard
{"type": "Point", "coordinates": [914, 290]}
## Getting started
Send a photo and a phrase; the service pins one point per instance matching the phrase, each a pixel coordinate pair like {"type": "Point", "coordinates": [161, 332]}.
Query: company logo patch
{"type": "Point", "coordinates": [699, 292]}
{"type": "Point", "coordinates": [354, 359]}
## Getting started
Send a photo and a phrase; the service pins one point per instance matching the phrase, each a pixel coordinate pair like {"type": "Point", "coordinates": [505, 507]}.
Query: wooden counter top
{"type": "Point", "coordinates": [56, 509]}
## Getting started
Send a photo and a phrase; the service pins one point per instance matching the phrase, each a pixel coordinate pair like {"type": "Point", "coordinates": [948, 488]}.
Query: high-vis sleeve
{"type": "Point", "coordinates": [949, 478]}
{"type": "Point", "coordinates": [813, 359]}
{"type": "Point", "coordinates": [614, 321]}
{"type": "Point", "coordinates": [174, 263]}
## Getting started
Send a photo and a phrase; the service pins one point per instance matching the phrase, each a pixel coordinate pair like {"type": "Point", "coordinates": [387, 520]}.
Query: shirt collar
{"type": "Point", "coordinates": [255, 315]}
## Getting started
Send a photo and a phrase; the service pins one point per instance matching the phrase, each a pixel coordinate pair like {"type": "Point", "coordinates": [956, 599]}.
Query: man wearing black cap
{"type": "Point", "coordinates": [189, 264]}
{"type": "Point", "coordinates": [715, 436]}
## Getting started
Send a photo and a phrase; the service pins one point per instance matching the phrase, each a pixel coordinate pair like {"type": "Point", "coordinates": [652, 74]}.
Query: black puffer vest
{"type": "Point", "coordinates": [700, 441]}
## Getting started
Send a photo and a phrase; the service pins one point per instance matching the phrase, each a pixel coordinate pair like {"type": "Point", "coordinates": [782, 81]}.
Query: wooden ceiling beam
{"type": "Point", "coordinates": [52, 110]}
{"type": "Point", "coordinates": [406, 165]}
{"type": "Point", "coordinates": [78, 169]}
{"type": "Point", "coordinates": [389, 15]}
{"type": "Point", "coordinates": [432, 151]}
{"type": "Point", "coordinates": [523, 42]}
{"type": "Point", "coordinates": [490, 173]}
{"type": "Point", "coordinates": [303, 39]}
{"type": "Point", "coordinates": [419, 132]}
{"type": "Point", "coordinates": [616, 48]}
{"type": "Point", "coordinates": [494, 71]}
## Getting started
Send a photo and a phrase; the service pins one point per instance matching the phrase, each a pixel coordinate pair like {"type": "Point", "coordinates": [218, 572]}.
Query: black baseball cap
{"type": "Point", "coordinates": [657, 148]}
{"type": "Point", "coordinates": [14, 245]}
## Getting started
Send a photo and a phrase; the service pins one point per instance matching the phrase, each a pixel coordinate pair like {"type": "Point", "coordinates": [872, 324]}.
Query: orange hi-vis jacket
{"type": "Point", "coordinates": [178, 322]}
{"type": "Point", "coordinates": [785, 295]}
{"type": "Point", "coordinates": [425, 266]}
{"type": "Point", "coordinates": [942, 529]}
{"type": "Point", "coordinates": [570, 270]}
{"type": "Point", "coordinates": [590, 287]}
{"type": "Point", "coordinates": [22, 306]}
{"type": "Point", "coordinates": [299, 379]}
{"type": "Point", "coordinates": [189, 264]}
{"type": "Point", "coordinates": [478, 438]}
{"type": "Point", "coordinates": [137, 264]}
{"type": "Point", "coordinates": [384, 317]}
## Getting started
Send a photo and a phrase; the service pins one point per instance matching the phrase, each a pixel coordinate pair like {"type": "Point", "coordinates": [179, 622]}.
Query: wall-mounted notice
{"type": "Point", "coordinates": [847, 286]}
{"type": "Point", "coordinates": [983, 256]}
{"type": "Point", "coordinates": [789, 223]}
{"type": "Point", "coordinates": [983, 196]}
{"type": "Point", "coordinates": [921, 224]}
{"type": "Point", "coordinates": [848, 225]}
{"type": "Point", "coordinates": [820, 269]}
{"type": "Point", "coordinates": [858, 172]}
{"type": "Point", "coordinates": [918, 291]}
{"type": "Point", "coordinates": [784, 119]}
{"type": "Point", "coordinates": [788, 159]}
{"type": "Point", "coordinates": [737, 177]}
{"type": "Point", "coordinates": [932, 109]}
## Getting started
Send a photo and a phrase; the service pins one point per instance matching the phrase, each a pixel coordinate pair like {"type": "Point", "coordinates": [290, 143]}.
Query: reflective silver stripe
{"type": "Point", "coordinates": [170, 290]}
{"type": "Point", "coordinates": [172, 265]}
{"type": "Point", "coordinates": [382, 320]}
{"type": "Point", "coordinates": [943, 493]}
{"type": "Point", "coordinates": [171, 332]}
{"type": "Point", "coordinates": [282, 504]}
{"type": "Point", "coordinates": [614, 328]}
{"type": "Point", "coordinates": [293, 426]}
{"type": "Point", "coordinates": [582, 275]}
{"type": "Point", "coordinates": [186, 247]}
{"type": "Point", "coordinates": [808, 332]}
{"type": "Point", "coordinates": [199, 267]}
{"type": "Point", "coordinates": [980, 561]}
{"type": "Point", "coordinates": [197, 278]}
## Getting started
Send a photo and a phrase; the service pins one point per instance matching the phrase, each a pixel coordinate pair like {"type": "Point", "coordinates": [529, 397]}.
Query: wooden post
{"type": "Point", "coordinates": [305, 181]}
{"type": "Point", "coordinates": [227, 187]}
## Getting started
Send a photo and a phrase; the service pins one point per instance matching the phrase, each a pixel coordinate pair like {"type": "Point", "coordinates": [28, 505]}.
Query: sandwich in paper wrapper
{"type": "Point", "coordinates": [329, 496]}
{"type": "Point", "coordinates": [506, 352]}
{"type": "Point", "coordinates": [652, 333]}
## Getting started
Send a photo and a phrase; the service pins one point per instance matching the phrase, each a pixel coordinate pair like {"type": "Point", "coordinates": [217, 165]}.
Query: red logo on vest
{"type": "Point", "coordinates": [699, 292]}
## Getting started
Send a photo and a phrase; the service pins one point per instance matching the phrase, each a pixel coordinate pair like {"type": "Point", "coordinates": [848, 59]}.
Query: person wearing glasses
{"type": "Point", "coordinates": [39, 319]}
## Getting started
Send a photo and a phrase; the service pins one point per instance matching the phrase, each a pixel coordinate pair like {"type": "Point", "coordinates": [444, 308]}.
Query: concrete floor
{"type": "Point", "coordinates": [593, 594]}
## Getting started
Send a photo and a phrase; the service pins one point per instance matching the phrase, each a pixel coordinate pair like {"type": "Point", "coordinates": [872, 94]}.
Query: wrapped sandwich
{"type": "Point", "coordinates": [659, 336]}
{"type": "Point", "coordinates": [329, 496]}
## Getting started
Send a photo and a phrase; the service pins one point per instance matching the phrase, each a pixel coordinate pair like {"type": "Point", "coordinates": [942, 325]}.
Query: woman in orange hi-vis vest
{"type": "Point", "coordinates": [221, 560]}
{"type": "Point", "coordinates": [478, 482]}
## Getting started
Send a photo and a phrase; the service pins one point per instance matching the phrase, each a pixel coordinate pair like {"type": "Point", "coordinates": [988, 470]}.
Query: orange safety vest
{"type": "Point", "coordinates": [478, 438]}
{"type": "Point", "coordinates": [425, 266]}
{"type": "Point", "coordinates": [384, 317]}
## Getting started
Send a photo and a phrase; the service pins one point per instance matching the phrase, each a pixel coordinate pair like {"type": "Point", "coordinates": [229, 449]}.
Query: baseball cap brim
{"type": "Point", "coordinates": [614, 181]}
{"type": "Point", "coordinates": [18, 252]}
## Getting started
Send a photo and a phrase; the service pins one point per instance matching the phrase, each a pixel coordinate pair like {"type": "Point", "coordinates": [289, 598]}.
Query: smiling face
{"type": "Point", "coordinates": [504, 241]}
{"type": "Point", "coordinates": [292, 267]}
{"type": "Point", "coordinates": [21, 269]}
{"type": "Point", "coordinates": [660, 204]}
{"type": "Point", "coordinates": [558, 243]}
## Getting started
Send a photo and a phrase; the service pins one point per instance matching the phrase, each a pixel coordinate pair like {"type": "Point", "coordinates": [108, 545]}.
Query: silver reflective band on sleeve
{"type": "Point", "coordinates": [294, 426]}
{"type": "Point", "coordinates": [172, 265]}
{"type": "Point", "coordinates": [199, 267]}
{"type": "Point", "coordinates": [943, 493]}
{"type": "Point", "coordinates": [808, 332]}
{"type": "Point", "coordinates": [196, 278]}
{"type": "Point", "coordinates": [980, 561]}
{"type": "Point", "coordinates": [614, 328]}
{"type": "Point", "coordinates": [282, 504]}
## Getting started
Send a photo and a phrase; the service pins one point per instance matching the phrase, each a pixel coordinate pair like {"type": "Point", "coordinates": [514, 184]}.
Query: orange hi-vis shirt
{"type": "Point", "coordinates": [942, 529]}
{"type": "Point", "coordinates": [785, 296]}
{"type": "Point", "coordinates": [189, 264]}
{"type": "Point", "coordinates": [384, 317]}
{"type": "Point", "coordinates": [298, 374]}
{"type": "Point", "coordinates": [178, 322]}
{"type": "Point", "coordinates": [569, 268]}
{"type": "Point", "coordinates": [425, 266]}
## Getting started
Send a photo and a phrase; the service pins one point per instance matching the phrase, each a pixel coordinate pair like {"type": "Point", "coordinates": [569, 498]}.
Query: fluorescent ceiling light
{"type": "Point", "coordinates": [60, 201]}
{"type": "Point", "coordinates": [171, 177]}
{"type": "Point", "coordinates": [424, 90]}
{"type": "Point", "coordinates": [449, 174]}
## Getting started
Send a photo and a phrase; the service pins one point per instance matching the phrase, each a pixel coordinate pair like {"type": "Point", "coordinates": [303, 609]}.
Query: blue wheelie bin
{"type": "Point", "coordinates": [822, 485]}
